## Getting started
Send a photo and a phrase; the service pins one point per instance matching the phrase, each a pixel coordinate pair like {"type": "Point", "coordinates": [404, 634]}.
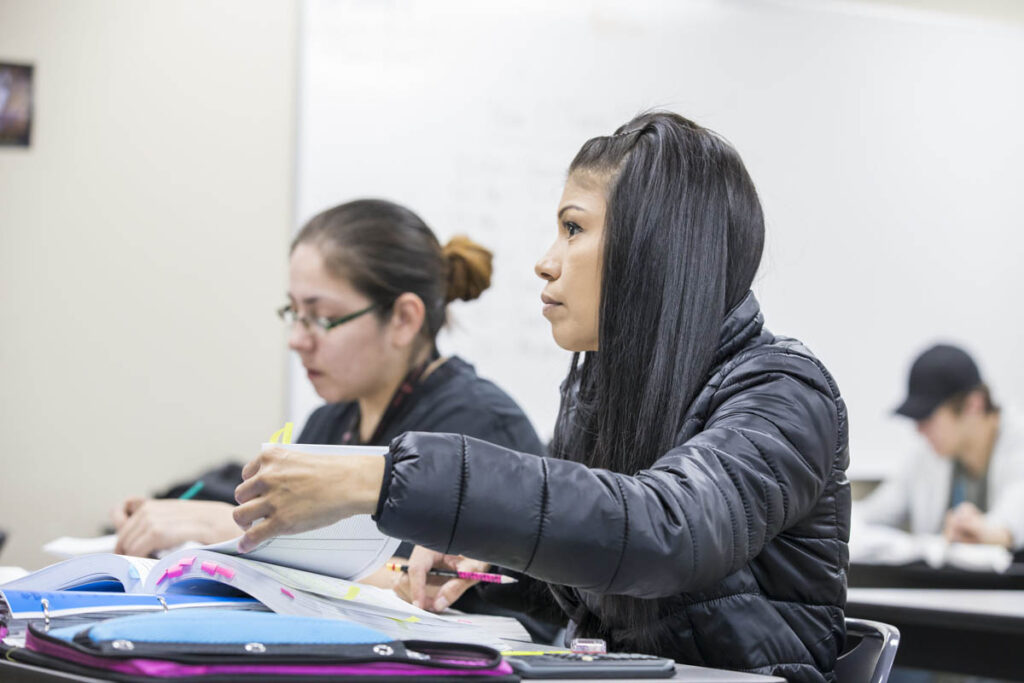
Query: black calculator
{"type": "Point", "coordinates": [581, 665]}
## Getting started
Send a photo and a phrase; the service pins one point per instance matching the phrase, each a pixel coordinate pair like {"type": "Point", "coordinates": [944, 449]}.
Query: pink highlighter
{"type": "Point", "coordinates": [472, 576]}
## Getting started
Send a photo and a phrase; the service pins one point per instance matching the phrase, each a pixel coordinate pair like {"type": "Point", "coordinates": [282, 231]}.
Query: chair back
{"type": "Point", "coordinates": [871, 650]}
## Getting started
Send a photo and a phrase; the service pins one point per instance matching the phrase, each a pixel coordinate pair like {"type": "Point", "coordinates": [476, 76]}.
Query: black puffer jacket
{"type": "Point", "coordinates": [740, 531]}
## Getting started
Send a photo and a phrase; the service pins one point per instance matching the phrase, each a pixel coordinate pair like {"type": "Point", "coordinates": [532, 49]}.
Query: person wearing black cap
{"type": "Point", "coordinates": [969, 483]}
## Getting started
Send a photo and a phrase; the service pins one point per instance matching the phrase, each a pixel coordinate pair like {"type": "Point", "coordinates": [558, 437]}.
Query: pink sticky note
{"type": "Point", "coordinates": [209, 567]}
{"type": "Point", "coordinates": [287, 592]}
{"type": "Point", "coordinates": [187, 562]}
{"type": "Point", "coordinates": [226, 572]}
{"type": "Point", "coordinates": [162, 577]}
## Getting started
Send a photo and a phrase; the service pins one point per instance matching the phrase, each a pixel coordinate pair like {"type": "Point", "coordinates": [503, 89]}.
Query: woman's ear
{"type": "Point", "coordinates": [407, 316]}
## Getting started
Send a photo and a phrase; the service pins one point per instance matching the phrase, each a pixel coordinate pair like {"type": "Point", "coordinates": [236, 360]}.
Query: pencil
{"type": "Point", "coordinates": [192, 490]}
{"type": "Point", "coordinates": [472, 576]}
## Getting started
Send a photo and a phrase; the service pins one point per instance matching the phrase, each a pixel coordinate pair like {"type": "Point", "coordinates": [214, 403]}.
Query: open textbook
{"type": "Point", "coordinates": [307, 574]}
{"type": "Point", "coordinates": [205, 572]}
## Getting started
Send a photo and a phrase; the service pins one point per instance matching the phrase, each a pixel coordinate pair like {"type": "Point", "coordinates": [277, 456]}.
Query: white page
{"type": "Point", "coordinates": [299, 593]}
{"type": "Point", "coordinates": [351, 548]}
{"type": "Point", "coordinates": [77, 571]}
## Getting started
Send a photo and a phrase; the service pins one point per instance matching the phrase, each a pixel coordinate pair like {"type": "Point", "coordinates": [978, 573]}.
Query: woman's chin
{"type": "Point", "coordinates": [331, 394]}
{"type": "Point", "coordinates": [571, 342]}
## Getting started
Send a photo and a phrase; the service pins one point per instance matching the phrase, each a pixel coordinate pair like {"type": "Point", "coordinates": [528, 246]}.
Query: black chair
{"type": "Point", "coordinates": [870, 652]}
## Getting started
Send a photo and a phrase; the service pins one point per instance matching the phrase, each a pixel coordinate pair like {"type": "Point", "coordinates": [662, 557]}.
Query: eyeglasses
{"type": "Point", "coordinates": [290, 317]}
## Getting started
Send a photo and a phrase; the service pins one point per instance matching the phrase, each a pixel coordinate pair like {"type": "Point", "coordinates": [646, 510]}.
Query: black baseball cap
{"type": "Point", "coordinates": [938, 374]}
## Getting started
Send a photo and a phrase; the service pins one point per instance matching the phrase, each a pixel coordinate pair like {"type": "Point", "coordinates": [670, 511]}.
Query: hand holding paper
{"type": "Point", "coordinates": [285, 492]}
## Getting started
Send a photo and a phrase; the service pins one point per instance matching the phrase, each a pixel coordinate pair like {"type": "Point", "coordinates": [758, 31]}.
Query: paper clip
{"type": "Point", "coordinates": [162, 601]}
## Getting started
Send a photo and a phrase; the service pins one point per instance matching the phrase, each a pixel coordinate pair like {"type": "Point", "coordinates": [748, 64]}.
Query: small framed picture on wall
{"type": "Point", "coordinates": [15, 104]}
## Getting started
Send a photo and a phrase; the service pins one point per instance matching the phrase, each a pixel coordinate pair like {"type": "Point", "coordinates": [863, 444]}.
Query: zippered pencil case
{"type": "Point", "coordinates": [216, 645]}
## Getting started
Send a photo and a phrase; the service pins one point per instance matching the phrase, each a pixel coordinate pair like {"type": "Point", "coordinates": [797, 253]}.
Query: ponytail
{"type": "Point", "coordinates": [468, 267]}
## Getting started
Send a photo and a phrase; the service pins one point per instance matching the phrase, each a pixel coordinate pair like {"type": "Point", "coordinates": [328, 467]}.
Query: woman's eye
{"type": "Point", "coordinates": [572, 228]}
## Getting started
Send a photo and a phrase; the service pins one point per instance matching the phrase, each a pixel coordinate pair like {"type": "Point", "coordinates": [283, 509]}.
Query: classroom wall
{"type": "Point", "coordinates": [142, 251]}
{"type": "Point", "coordinates": [142, 235]}
{"type": "Point", "coordinates": [884, 138]}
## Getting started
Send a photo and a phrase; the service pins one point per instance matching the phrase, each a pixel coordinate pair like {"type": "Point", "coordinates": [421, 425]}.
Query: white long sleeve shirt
{"type": "Point", "coordinates": [918, 495]}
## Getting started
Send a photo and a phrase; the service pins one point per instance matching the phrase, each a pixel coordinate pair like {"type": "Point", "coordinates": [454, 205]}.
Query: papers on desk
{"type": "Point", "coordinates": [300, 593]}
{"type": "Point", "coordinates": [308, 574]}
{"type": "Point", "coordinates": [876, 544]}
{"type": "Point", "coordinates": [351, 548]}
{"type": "Point", "coordinates": [196, 575]}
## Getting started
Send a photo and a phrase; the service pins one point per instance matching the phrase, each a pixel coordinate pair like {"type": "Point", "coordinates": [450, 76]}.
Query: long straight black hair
{"type": "Point", "coordinates": [683, 238]}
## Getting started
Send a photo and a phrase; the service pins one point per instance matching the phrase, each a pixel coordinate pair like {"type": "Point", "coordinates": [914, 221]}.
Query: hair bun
{"type": "Point", "coordinates": [469, 268]}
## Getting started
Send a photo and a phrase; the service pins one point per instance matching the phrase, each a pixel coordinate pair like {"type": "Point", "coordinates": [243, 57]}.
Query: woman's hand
{"type": "Point", "coordinates": [285, 492]}
{"type": "Point", "coordinates": [146, 526]}
{"type": "Point", "coordinates": [434, 593]}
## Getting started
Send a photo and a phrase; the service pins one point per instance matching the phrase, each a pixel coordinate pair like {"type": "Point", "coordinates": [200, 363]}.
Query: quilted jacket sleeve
{"type": "Point", "coordinates": [701, 512]}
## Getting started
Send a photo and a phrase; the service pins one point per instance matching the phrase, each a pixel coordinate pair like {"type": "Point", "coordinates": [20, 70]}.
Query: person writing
{"type": "Point", "coordinates": [368, 289]}
{"type": "Point", "coordinates": [968, 482]}
{"type": "Point", "coordinates": [695, 505]}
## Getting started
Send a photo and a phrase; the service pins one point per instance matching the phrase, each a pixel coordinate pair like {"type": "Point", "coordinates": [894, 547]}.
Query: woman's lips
{"type": "Point", "coordinates": [549, 304]}
{"type": "Point", "coordinates": [313, 374]}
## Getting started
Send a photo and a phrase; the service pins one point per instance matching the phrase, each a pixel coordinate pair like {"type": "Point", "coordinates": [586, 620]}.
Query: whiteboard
{"type": "Point", "coordinates": [886, 145]}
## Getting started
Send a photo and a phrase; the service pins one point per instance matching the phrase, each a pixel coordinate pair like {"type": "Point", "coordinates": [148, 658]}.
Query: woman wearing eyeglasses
{"type": "Point", "coordinates": [368, 291]}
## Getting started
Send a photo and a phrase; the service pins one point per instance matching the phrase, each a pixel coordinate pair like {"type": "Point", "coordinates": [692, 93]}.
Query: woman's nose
{"type": "Point", "coordinates": [300, 338]}
{"type": "Point", "coordinates": [549, 267]}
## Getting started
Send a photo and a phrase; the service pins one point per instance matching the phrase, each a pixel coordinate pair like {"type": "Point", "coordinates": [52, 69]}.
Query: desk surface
{"type": "Point", "coordinates": [920, 575]}
{"type": "Point", "coordinates": [988, 611]}
{"type": "Point", "coordinates": [974, 632]}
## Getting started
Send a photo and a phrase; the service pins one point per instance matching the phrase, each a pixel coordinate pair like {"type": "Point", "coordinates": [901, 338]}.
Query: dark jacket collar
{"type": "Point", "coordinates": [742, 323]}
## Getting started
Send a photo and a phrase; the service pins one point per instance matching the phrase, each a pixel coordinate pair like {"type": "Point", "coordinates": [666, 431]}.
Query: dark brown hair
{"type": "Point", "coordinates": [384, 250]}
{"type": "Point", "coordinates": [957, 402]}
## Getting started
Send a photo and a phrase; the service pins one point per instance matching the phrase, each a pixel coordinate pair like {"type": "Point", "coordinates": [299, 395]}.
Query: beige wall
{"type": "Point", "coordinates": [1003, 11]}
{"type": "Point", "coordinates": [142, 251]}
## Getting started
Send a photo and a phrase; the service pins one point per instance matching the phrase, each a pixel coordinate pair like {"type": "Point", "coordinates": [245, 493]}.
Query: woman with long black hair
{"type": "Point", "coordinates": [696, 504]}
